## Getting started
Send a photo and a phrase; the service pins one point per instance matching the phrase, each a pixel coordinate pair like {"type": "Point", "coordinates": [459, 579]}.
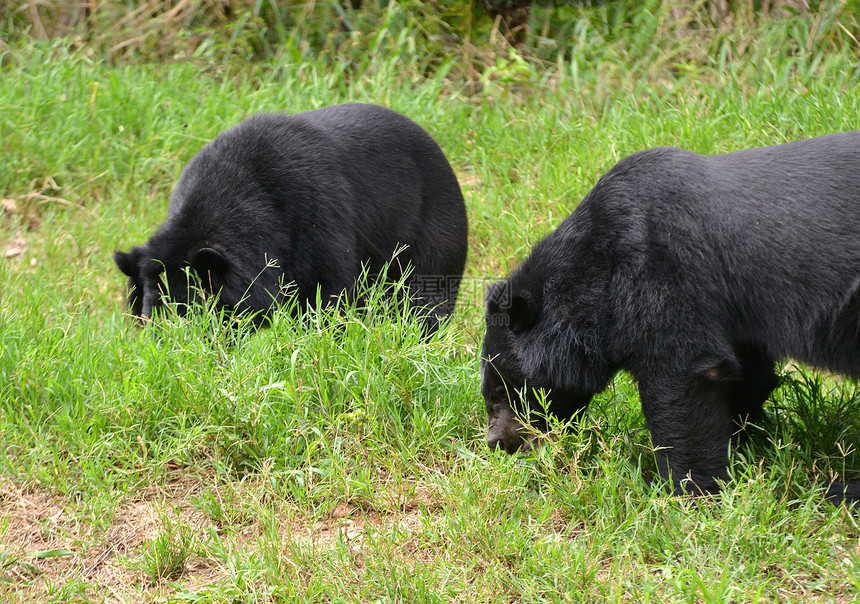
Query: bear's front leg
{"type": "Point", "coordinates": [692, 423]}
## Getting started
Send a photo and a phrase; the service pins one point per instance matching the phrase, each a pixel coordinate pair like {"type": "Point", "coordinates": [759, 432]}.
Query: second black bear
{"type": "Point", "coordinates": [281, 205]}
{"type": "Point", "coordinates": [695, 274]}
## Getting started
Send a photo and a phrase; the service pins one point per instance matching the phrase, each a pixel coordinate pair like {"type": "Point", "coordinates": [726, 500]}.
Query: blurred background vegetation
{"type": "Point", "coordinates": [467, 40]}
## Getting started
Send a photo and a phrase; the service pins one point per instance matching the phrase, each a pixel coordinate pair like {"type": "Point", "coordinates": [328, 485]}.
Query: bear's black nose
{"type": "Point", "coordinates": [509, 443]}
{"type": "Point", "coordinates": [494, 442]}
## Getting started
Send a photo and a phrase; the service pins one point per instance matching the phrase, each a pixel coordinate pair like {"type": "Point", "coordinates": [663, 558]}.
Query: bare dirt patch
{"type": "Point", "coordinates": [47, 541]}
{"type": "Point", "coordinates": [104, 558]}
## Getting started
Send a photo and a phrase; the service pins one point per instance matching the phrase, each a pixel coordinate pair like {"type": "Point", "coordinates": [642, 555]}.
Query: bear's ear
{"type": "Point", "coordinates": [524, 312]}
{"type": "Point", "coordinates": [496, 298]}
{"type": "Point", "coordinates": [127, 262]}
{"type": "Point", "coordinates": [208, 261]}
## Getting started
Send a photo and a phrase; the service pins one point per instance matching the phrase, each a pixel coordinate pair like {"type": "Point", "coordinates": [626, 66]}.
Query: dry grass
{"type": "Point", "coordinates": [167, 30]}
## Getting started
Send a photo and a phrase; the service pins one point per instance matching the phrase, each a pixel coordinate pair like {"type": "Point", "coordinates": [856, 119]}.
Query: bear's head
{"type": "Point", "coordinates": [535, 361]}
{"type": "Point", "coordinates": [152, 281]}
{"type": "Point", "coordinates": [159, 272]}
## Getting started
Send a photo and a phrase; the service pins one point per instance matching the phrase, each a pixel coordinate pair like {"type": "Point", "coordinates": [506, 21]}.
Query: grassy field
{"type": "Point", "coordinates": [343, 460]}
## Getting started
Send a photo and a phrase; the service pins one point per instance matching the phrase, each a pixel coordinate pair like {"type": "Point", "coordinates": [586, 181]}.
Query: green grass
{"type": "Point", "coordinates": [342, 459]}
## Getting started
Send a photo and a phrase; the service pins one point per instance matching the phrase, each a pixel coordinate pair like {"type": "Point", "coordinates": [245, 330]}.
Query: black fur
{"type": "Point", "coordinates": [694, 273]}
{"type": "Point", "coordinates": [320, 194]}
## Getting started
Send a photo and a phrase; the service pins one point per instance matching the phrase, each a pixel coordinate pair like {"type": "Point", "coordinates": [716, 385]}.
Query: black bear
{"type": "Point", "coordinates": [288, 205]}
{"type": "Point", "coordinates": [695, 274]}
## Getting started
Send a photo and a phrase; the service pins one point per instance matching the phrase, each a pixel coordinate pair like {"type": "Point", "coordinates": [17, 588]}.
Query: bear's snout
{"type": "Point", "coordinates": [505, 430]}
{"type": "Point", "coordinates": [509, 444]}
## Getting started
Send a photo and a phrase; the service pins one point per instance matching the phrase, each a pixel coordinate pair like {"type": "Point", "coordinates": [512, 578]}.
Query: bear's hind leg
{"type": "Point", "coordinates": [847, 492]}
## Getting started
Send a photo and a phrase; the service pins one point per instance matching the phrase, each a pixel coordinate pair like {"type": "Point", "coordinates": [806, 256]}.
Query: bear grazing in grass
{"type": "Point", "coordinates": [695, 274]}
{"type": "Point", "coordinates": [290, 204]}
